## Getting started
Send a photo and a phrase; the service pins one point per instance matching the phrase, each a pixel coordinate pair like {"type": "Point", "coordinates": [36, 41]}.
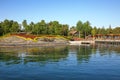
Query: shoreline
{"type": "Point", "coordinates": [35, 44]}
{"type": "Point", "coordinates": [14, 41]}
{"type": "Point", "coordinates": [17, 41]}
{"type": "Point", "coordinates": [31, 44]}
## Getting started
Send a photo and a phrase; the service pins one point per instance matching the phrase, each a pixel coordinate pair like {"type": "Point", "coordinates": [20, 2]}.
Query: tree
{"type": "Point", "coordinates": [73, 28]}
{"type": "Point", "coordinates": [1, 30]}
{"type": "Point", "coordinates": [51, 28]}
{"type": "Point", "coordinates": [116, 30]}
{"type": "Point", "coordinates": [15, 27]}
{"type": "Point", "coordinates": [56, 27]}
{"type": "Point", "coordinates": [109, 30]}
{"type": "Point", "coordinates": [64, 30]}
{"type": "Point", "coordinates": [24, 23]}
{"type": "Point", "coordinates": [31, 27]}
{"type": "Point", "coordinates": [5, 26]}
{"type": "Point", "coordinates": [79, 27]}
{"type": "Point", "coordinates": [93, 32]}
{"type": "Point", "coordinates": [43, 27]}
{"type": "Point", "coordinates": [36, 29]}
{"type": "Point", "coordinates": [86, 29]}
{"type": "Point", "coordinates": [103, 31]}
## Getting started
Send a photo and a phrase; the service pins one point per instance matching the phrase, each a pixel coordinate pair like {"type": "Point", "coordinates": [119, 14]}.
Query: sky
{"type": "Point", "coordinates": [98, 12]}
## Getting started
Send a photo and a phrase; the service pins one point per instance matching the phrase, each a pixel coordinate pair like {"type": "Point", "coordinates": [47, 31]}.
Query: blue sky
{"type": "Point", "coordinates": [99, 12]}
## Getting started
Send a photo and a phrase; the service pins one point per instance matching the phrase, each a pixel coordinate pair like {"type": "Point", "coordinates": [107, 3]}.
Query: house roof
{"type": "Point", "coordinates": [73, 32]}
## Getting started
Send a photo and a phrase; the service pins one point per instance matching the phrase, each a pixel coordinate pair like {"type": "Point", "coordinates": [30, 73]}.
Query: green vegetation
{"type": "Point", "coordinates": [84, 28]}
{"type": "Point", "coordinates": [54, 28]}
{"type": "Point", "coordinates": [9, 26]}
{"type": "Point", "coordinates": [51, 28]}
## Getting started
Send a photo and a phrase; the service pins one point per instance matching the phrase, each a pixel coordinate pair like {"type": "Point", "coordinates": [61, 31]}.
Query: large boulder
{"type": "Point", "coordinates": [12, 39]}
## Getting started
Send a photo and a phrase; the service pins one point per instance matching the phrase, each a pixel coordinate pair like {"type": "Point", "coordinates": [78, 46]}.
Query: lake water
{"type": "Point", "coordinates": [98, 62]}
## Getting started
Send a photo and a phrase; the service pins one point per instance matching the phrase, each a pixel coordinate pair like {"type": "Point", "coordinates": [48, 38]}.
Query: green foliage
{"type": "Point", "coordinates": [84, 28]}
{"type": "Point", "coordinates": [8, 26]}
{"type": "Point", "coordinates": [116, 30]}
{"type": "Point", "coordinates": [104, 30]}
{"type": "Point", "coordinates": [109, 30]}
{"type": "Point", "coordinates": [15, 27]}
{"type": "Point", "coordinates": [79, 26]}
{"type": "Point", "coordinates": [64, 30]}
{"type": "Point", "coordinates": [93, 32]}
{"type": "Point", "coordinates": [24, 23]}
{"type": "Point", "coordinates": [1, 30]}
{"type": "Point", "coordinates": [54, 28]}
{"type": "Point", "coordinates": [87, 29]}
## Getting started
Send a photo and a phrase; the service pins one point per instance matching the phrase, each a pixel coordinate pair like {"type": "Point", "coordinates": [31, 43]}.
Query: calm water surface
{"type": "Point", "coordinates": [98, 62]}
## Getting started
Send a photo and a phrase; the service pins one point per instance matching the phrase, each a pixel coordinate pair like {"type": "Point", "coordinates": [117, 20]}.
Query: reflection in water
{"type": "Point", "coordinates": [82, 52]}
{"type": "Point", "coordinates": [95, 62]}
{"type": "Point", "coordinates": [108, 49]}
{"type": "Point", "coordinates": [54, 54]}
{"type": "Point", "coordinates": [9, 58]}
{"type": "Point", "coordinates": [14, 56]}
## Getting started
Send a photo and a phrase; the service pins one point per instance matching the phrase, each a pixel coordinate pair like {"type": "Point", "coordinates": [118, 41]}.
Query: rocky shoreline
{"type": "Point", "coordinates": [14, 41]}
{"type": "Point", "coordinates": [31, 45]}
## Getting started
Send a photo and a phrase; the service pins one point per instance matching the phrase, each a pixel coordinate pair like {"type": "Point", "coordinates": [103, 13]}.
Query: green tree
{"type": "Point", "coordinates": [56, 27]}
{"type": "Point", "coordinates": [64, 30]}
{"type": "Point", "coordinates": [79, 27]}
{"type": "Point", "coordinates": [43, 27]}
{"type": "Point", "coordinates": [72, 28]}
{"type": "Point", "coordinates": [6, 26]}
{"type": "Point", "coordinates": [103, 31]}
{"type": "Point", "coordinates": [36, 29]}
{"type": "Point", "coordinates": [109, 30]}
{"type": "Point", "coordinates": [24, 23]}
{"type": "Point", "coordinates": [86, 29]}
{"type": "Point", "coordinates": [51, 28]}
{"type": "Point", "coordinates": [93, 32]}
{"type": "Point", "coordinates": [31, 27]}
{"type": "Point", "coordinates": [1, 30]}
{"type": "Point", "coordinates": [15, 27]}
{"type": "Point", "coordinates": [98, 31]}
{"type": "Point", "coordinates": [116, 30]}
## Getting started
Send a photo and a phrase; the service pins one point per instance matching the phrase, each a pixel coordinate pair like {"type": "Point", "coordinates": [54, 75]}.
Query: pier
{"type": "Point", "coordinates": [81, 42]}
{"type": "Point", "coordinates": [115, 42]}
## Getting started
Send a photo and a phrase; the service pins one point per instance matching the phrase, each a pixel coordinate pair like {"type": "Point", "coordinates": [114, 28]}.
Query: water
{"type": "Point", "coordinates": [99, 62]}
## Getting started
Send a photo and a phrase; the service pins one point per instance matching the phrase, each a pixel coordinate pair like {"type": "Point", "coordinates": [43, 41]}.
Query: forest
{"type": "Point", "coordinates": [54, 28]}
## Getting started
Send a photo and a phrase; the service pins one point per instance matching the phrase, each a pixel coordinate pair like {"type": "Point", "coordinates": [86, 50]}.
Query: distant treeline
{"type": "Point", "coordinates": [54, 28]}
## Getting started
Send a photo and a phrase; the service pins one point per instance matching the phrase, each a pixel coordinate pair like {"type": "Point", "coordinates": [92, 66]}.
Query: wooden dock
{"type": "Point", "coordinates": [117, 42]}
{"type": "Point", "coordinates": [81, 42]}
{"type": "Point", "coordinates": [114, 42]}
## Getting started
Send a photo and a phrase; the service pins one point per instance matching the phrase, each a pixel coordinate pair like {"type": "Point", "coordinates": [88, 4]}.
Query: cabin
{"type": "Point", "coordinates": [73, 33]}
